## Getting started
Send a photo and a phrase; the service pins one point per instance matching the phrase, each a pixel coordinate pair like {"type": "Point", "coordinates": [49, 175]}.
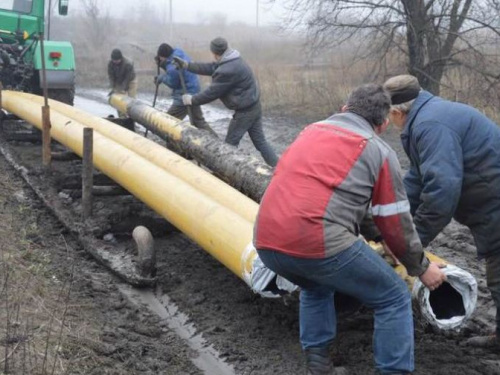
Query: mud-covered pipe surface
{"type": "Point", "coordinates": [244, 172]}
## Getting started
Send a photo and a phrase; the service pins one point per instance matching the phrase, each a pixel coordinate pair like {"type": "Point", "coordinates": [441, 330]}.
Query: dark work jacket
{"type": "Point", "coordinates": [455, 170]}
{"type": "Point", "coordinates": [232, 82]}
{"type": "Point", "coordinates": [120, 75]}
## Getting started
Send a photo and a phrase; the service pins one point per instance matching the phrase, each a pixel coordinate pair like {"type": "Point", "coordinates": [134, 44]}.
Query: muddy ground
{"type": "Point", "coordinates": [251, 334]}
{"type": "Point", "coordinates": [104, 332]}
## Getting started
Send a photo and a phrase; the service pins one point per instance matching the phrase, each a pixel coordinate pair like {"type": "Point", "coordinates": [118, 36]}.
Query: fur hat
{"type": "Point", "coordinates": [402, 88]}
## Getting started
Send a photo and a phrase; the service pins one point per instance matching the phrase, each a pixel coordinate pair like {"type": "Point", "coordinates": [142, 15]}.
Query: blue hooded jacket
{"type": "Point", "coordinates": [172, 80]}
{"type": "Point", "coordinates": [455, 170]}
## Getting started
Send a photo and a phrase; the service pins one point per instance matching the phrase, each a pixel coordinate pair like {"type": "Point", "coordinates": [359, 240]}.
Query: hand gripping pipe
{"type": "Point", "coordinates": [198, 211]}
{"type": "Point", "coordinates": [449, 306]}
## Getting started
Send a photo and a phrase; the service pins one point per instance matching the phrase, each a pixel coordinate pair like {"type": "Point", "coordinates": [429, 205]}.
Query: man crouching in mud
{"type": "Point", "coordinates": [336, 180]}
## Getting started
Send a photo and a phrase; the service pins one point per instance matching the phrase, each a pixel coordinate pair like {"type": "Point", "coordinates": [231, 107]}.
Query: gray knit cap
{"type": "Point", "coordinates": [116, 54]}
{"type": "Point", "coordinates": [402, 88]}
{"type": "Point", "coordinates": [218, 46]}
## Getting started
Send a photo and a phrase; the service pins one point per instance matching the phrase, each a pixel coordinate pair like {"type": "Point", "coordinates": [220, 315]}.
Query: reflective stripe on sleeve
{"type": "Point", "coordinates": [391, 209]}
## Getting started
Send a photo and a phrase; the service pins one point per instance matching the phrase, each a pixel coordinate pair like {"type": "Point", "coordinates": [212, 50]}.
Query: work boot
{"type": "Point", "coordinates": [318, 362]}
{"type": "Point", "coordinates": [486, 342]}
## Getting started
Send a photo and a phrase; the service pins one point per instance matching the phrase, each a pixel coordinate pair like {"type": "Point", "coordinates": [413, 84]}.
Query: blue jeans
{"type": "Point", "coordinates": [493, 280]}
{"type": "Point", "coordinates": [361, 273]}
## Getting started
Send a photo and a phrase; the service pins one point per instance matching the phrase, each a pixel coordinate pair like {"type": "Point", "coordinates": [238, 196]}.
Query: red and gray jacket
{"type": "Point", "coordinates": [336, 181]}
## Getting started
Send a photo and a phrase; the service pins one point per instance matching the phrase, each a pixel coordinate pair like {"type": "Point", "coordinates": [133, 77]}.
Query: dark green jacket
{"type": "Point", "coordinates": [120, 75]}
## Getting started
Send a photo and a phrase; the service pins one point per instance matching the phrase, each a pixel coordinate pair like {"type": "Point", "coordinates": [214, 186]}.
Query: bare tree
{"type": "Point", "coordinates": [432, 35]}
{"type": "Point", "coordinates": [98, 22]}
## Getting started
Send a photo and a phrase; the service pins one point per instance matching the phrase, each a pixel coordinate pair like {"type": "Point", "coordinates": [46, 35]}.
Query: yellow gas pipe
{"type": "Point", "coordinates": [69, 132]}
{"type": "Point", "coordinates": [158, 155]}
{"type": "Point", "coordinates": [223, 233]}
{"type": "Point", "coordinates": [163, 121]}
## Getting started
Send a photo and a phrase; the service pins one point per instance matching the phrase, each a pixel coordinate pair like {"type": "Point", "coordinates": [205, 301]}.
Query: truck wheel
{"type": "Point", "coordinates": [62, 95]}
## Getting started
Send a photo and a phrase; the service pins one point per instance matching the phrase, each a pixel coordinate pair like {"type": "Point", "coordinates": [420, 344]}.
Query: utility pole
{"type": "Point", "coordinates": [48, 19]}
{"type": "Point", "coordinates": [257, 14]}
{"type": "Point", "coordinates": [257, 30]}
{"type": "Point", "coordinates": [171, 22]}
{"type": "Point", "coordinates": [164, 14]}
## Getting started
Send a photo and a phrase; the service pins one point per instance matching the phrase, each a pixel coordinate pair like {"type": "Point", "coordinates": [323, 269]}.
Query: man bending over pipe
{"type": "Point", "coordinates": [121, 74]}
{"type": "Point", "coordinates": [454, 173]}
{"type": "Point", "coordinates": [173, 79]}
{"type": "Point", "coordinates": [234, 84]}
{"type": "Point", "coordinates": [336, 180]}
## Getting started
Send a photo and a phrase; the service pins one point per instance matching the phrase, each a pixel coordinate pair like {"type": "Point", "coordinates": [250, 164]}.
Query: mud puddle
{"type": "Point", "coordinates": [92, 106]}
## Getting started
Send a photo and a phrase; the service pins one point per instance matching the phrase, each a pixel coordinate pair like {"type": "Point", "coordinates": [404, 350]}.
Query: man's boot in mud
{"type": "Point", "coordinates": [319, 362]}
{"type": "Point", "coordinates": [486, 342]}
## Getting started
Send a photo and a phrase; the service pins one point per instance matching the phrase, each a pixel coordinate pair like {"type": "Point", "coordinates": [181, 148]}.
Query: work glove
{"type": "Point", "coordinates": [187, 99]}
{"type": "Point", "coordinates": [179, 63]}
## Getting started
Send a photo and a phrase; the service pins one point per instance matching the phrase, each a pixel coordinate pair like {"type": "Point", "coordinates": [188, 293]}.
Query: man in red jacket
{"type": "Point", "coordinates": [336, 181]}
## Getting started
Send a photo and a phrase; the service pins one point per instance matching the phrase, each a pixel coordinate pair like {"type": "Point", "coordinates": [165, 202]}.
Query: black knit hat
{"type": "Point", "coordinates": [164, 50]}
{"type": "Point", "coordinates": [116, 54]}
{"type": "Point", "coordinates": [402, 88]}
{"type": "Point", "coordinates": [218, 46]}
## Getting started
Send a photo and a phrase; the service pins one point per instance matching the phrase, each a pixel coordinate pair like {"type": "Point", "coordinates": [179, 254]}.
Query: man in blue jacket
{"type": "Point", "coordinates": [171, 78]}
{"type": "Point", "coordinates": [454, 152]}
{"type": "Point", "coordinates": [234, 84]}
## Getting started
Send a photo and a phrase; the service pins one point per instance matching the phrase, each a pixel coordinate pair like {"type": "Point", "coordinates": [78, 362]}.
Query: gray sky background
{"type": "Point", "coordinates": [195, 11]}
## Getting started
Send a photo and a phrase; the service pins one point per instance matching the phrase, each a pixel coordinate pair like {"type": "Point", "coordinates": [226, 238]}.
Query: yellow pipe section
{"type": "Point", "coordinates": [216, 228]}
{"type": "Point", "coordinates": [169, 161]}
{"type": "Point", "coordinates": [181, 199]}
{"type": "Point", "coordinates": [173, 127]}
{"type": "Point", "coordinates": [162, 121]}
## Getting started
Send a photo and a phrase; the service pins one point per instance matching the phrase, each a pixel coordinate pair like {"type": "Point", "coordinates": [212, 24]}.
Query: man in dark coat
{"type": "Point", "coordinates": [234, 84]}
{"type": "Point", "coordinates": [454, 152]}
{"type": "Point", "coordinates": [172, 79]}
{"type": "Point", "coordinates": [121, 74]}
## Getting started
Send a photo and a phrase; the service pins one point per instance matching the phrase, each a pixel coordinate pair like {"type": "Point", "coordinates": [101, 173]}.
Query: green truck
{"type": "Point", "coordinates": [21, 24]}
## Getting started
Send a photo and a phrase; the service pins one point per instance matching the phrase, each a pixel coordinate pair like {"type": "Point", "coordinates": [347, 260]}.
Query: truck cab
{"type": "Point", "coordinates": [22, 22]}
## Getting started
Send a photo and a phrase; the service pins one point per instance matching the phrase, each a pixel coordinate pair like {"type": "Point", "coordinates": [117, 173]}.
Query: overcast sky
{"type": "Point", "coordinates": [192, 11]}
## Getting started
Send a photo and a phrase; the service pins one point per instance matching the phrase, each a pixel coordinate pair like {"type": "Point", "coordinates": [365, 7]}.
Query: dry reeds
{"type": "Point", "coordinates": [39, 319]}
